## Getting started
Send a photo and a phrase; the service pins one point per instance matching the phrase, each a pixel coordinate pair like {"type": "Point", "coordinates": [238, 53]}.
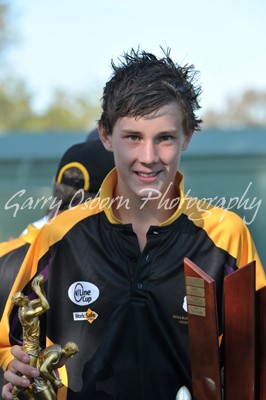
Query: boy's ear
{"type": "Point", "coordinates": [105, 138]}
{"type": "Point", "coordinates": [187, 140]}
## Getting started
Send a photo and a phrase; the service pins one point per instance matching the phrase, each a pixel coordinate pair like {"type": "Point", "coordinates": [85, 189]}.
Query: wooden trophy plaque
{"type": "Point", "coordinates": [244, 343]}
{"type": "Point", "coordinates": [261, 343]}
{"type": "Point", "coordinates": [239, 333]}
{"type": "Point", "coordinates": [203, 333]}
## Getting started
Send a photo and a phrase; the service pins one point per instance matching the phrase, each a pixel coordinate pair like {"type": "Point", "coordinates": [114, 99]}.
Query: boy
{"type": "Point", "coordinates": [114, 266]}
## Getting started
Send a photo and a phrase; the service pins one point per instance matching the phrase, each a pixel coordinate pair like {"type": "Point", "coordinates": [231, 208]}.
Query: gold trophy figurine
{"type": "Point", "coordinates": [46, 360]}
{"type": "Point", "coordinates": [28, 313]}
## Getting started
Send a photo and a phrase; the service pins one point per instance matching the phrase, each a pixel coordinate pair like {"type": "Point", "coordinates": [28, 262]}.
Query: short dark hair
{"type": "Point", "coordinates": [143, 83]}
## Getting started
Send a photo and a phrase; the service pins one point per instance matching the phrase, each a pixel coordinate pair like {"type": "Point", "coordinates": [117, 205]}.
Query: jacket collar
{"type": "Point", "coordinates": [108, 188]}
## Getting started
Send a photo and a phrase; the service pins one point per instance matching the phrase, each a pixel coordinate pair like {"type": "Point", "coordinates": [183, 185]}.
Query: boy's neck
{"type": "Point", "coordinates": [142, 218]}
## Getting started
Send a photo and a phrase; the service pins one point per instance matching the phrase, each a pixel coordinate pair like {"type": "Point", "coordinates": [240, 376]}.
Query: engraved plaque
{"type": "Point", "coordinates": [192, 281]}
{"type": "Point", "coordinates": [196, 301]}
{"type": "Point", "coordinates": [195, 310]}
{"type": "Point", "coordinates": [195, 291]}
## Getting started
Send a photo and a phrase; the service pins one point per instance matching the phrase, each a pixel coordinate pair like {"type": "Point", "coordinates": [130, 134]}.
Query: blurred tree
{"type": "Point", "coordinates": [65, 112]}
{"type": "Point", "coordinates": [7, 34]}
{"type": "Point", "coordinates": [248, 110]}
{"type": "Point", "coordinates": [68, 112]}
{"type": "Point", "coordinates": [15, 108]}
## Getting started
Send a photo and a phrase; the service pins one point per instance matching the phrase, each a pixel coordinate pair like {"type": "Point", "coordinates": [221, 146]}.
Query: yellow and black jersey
{"type": "Point", "coordinates": [124, 308]}
{"type": "Point", "coordinates": [12, 253]}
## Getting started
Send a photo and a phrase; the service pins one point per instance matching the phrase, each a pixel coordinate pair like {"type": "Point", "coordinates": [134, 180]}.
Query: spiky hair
{"type": "Point", "coordinates": [141, 83]}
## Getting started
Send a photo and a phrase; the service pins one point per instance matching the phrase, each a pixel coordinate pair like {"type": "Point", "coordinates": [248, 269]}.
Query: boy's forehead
{"type": "Point", "coordinates": [167, 118]}
{"type": "Point", "coordinates": [168, 109]}
{"type": "Point", "coordinates": [172, 110]}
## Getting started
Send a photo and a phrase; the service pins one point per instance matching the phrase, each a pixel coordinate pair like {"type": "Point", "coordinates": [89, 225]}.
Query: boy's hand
{"type": "Point", "coordinates": [17, 372]}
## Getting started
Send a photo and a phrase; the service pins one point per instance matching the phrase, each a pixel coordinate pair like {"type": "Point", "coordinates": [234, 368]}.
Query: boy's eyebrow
{"type": "Point", "coordinates": [131, 131]}
{"type": "Point", "coordinates": [164, 132]}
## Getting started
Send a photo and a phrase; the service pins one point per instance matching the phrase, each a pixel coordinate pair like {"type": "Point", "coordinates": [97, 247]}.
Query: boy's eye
{"type": "Point", "coordinates": [133, 137]}
{"type": "Point", "coordinates": [166, 138]}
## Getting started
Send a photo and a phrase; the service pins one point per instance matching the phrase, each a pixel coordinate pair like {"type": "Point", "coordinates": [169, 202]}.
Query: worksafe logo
{"type": "Point", "coordinates": [88, 315]}
{"type": "Point", "coordinates": [83, 293]}
{"type": "Point", "coordinates": [91, 316]}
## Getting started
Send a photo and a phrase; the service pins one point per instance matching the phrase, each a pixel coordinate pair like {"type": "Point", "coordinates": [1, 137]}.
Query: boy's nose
{"type": "Point", "coordinates": [149, 153]}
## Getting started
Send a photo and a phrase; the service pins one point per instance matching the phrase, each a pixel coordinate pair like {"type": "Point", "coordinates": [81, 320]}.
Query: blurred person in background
{"type": "Point", "coordinates": [78, 178]}
{"type": "Point", "coordinates": [80, 173]}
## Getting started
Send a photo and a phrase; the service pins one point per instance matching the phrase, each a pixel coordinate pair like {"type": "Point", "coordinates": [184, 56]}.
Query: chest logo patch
{"type": "Point", "coordinates": [83, 293]}
{"type": "Point", "coordinates": [91, 316]}
{"type": "Point", "coordinates": [88, 315]}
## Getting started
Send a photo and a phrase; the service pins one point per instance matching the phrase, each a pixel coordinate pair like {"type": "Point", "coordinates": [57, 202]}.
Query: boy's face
{"type": "Point", "coordinates": [147, 152]}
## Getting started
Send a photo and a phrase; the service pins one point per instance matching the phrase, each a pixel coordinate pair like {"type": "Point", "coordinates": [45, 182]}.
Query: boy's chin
{"type": "Point", "coordinates": [150, 193]}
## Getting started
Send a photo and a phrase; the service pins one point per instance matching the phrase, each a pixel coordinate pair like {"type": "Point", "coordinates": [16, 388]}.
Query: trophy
{"type": "Point", "coordinates": [46, 360]}
{"type": "Point", "coordinates": [243, 374]}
